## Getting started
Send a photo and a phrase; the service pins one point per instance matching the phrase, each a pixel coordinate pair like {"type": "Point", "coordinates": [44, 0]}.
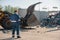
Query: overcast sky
{"type": "Point", "coordinates": [26, 3]}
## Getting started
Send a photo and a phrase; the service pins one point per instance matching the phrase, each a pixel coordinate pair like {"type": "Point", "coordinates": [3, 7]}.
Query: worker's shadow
{"type": "Point", "coordinates": [26, 29]}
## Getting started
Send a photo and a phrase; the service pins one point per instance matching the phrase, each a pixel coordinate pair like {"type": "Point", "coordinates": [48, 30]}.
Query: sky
{"type": "Point", "coordinates": [26, 3]}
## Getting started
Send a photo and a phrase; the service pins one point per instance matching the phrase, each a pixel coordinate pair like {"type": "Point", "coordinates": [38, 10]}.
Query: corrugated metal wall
{"type": "Point", "coordinates": [35, 18]}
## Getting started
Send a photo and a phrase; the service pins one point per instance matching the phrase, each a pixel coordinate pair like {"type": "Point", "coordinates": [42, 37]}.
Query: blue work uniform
{"type": "Point", "coordinates": [15, 20]}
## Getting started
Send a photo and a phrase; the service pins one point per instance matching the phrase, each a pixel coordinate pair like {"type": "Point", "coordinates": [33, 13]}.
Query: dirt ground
{"type": "Point", "coordinates": [36, 33]}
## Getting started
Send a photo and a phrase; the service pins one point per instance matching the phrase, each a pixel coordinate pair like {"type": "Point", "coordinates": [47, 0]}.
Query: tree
{"type": "Point", "coordinates": [10, 8]}
{"type": "Point", "coordinates": [0, 7]}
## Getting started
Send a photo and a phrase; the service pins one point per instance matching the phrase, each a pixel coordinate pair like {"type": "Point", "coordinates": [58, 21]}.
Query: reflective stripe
{"type": "Point", "coordinates": [13, 21]}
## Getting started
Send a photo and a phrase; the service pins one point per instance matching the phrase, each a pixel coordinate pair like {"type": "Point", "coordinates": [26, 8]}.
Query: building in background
{"type": "Point", "coordinates": [37, 16]}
